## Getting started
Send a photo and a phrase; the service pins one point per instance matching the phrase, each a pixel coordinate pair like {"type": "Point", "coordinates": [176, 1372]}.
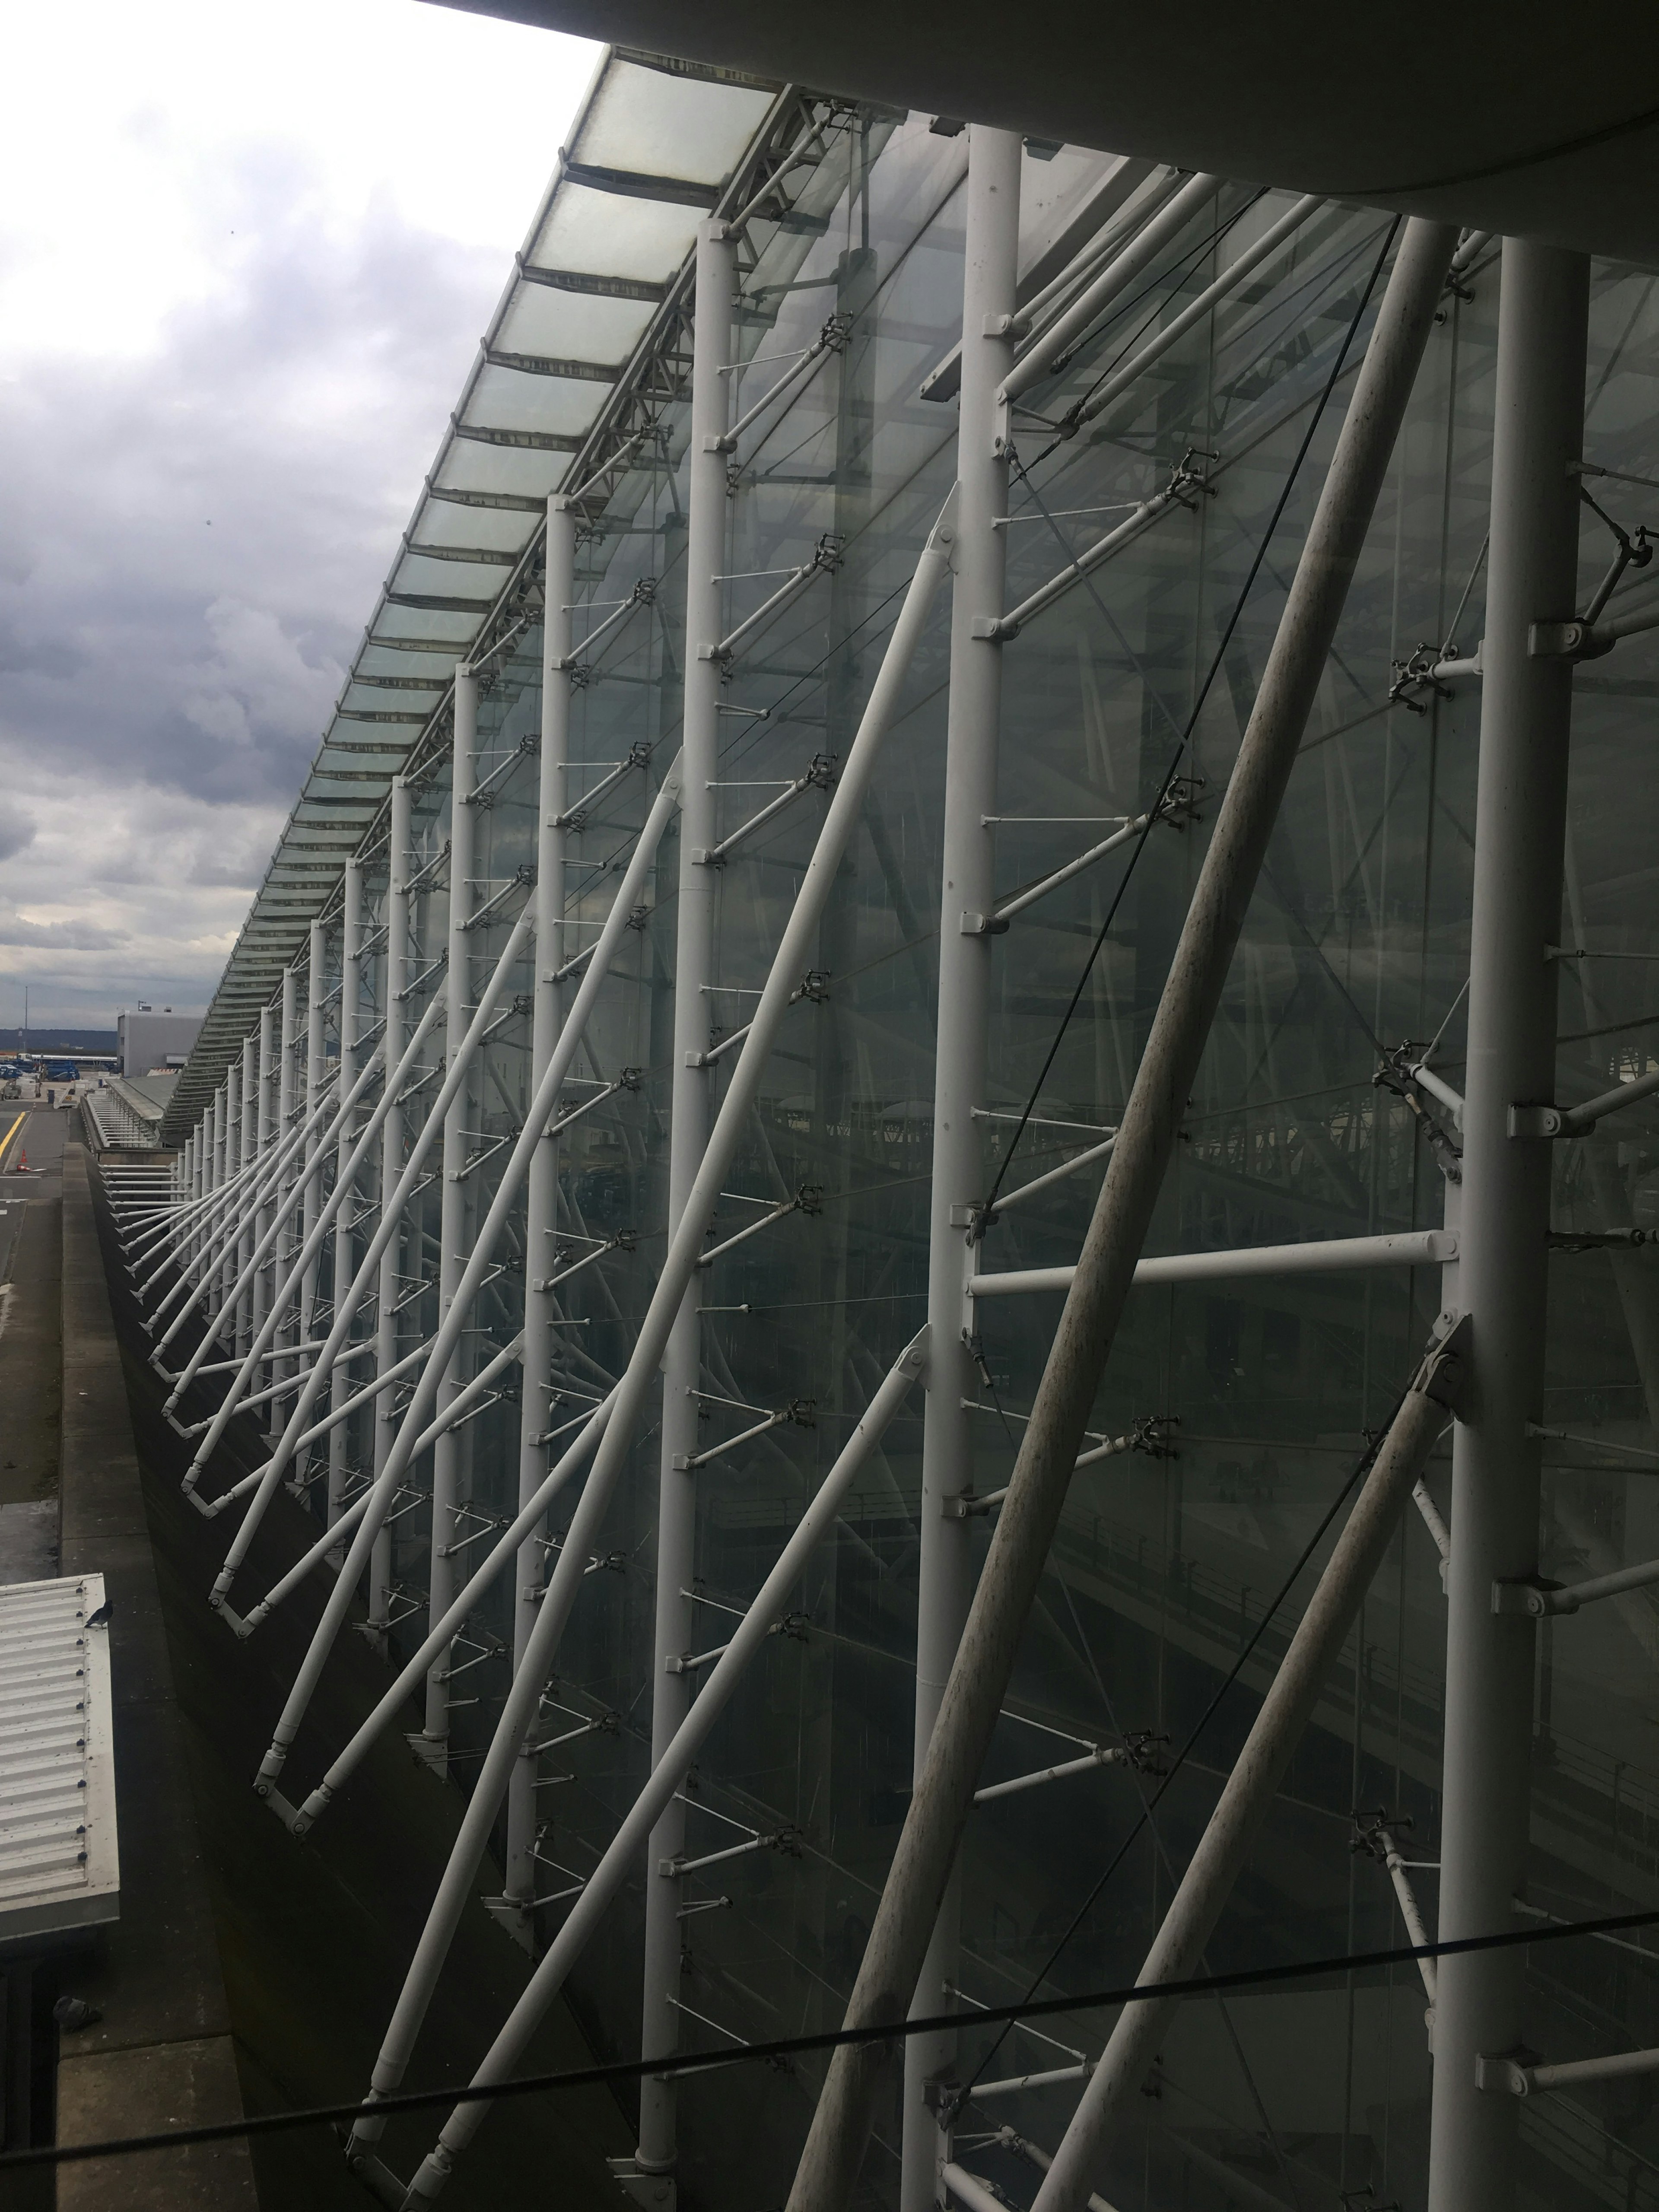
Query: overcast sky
{"type": "Point", "coordinates": [247, 252]}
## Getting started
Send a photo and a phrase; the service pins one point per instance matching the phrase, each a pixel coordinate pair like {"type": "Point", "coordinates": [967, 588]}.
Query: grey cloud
{"type": "Point", "coordinates": [190, 544]}
{"type": "Point", "coordinates": [194, 540]}
{"type": "Point", "coordinates": [59, 936]}
{"type": "Point", "coordinates": [16, 829]}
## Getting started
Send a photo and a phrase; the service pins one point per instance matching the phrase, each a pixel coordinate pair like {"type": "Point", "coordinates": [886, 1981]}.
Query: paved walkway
{"type": "Point", "coordinates": [30, 1347]}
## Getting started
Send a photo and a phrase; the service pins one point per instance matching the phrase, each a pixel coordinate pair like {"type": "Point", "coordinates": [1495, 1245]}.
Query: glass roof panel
{"type": "Point", "coordinates": [526, 470]}
{"type": "Point", "coordinates": [491, 529]}
{"type": "Point", "coordinates": [468, 581]}
{"type": "Point", "coordinates": [610, 236]}
{"type": "Point", "coordinates": [507, 399]}
{"type": "Point", "coordinates": [425, 623]}
{"type": "Point", "coordinates": [647, 122]}
{"type": "Point", "coordinates": [572, 325]}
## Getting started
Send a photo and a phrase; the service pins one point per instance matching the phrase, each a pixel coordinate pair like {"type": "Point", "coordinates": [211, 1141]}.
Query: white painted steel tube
{"type": "Point", "coordinates": [209, 1222]}
{"type": "Point", "coordinates": [617, 923]}
{"type": "Point", "coordinates": [1144, 248]}
{"type": "Point", "coordinates": [967, 871]}
{"type": "Point", "coordinates": [667, 1774]}
{"type": "Point", "coordinates": [789, 962]}
{"type": "Point", "coordinates": [243, 1248]}
{"type": "Point", "coordinates": [316, 1072]}
{"type": "Point", "coordinates": [690, 1107]}
{"type": "Point", "coordinates": [270, 1136]}
{"type": "Point", "coordinates": [969, 2190]}
{"type": "Point", "coordinates": [1438, 1087]}
{"type": "Point", "coordinates": [1586, 1593]}
{"type": "Point", "coordinates": [327, 1547]}
{"type": "Point", "coordinates": [1526, 713]}
{"type": "Point", "coordinates": [1334, 1255]}
{"type": "Point", "coordinates": [893, 1956]}
{"type": "Point", "coordinates": [399, 843]}
{"type": "Point", "coordinates": [512, 1540]}
{"type": "Point", "coordinates": [542, 1184]}
{"type": "Point", "coordinates": [1249, 1790]}
{"type": "Point", "coordinates": [455, 1209]}
{"type": "Point", "coordinates": [382, 1382]}
{"type": "Point", "coordinates": [1580, 1118]}
{"type": "Point", "coordinates": [1024, 1192]}
{"type": "Point", "coordinates": [389, 1224]}
{"type": "Point", "coordinates": [345, 1185]}
{"type": "Point", "coordinates": [1276, 235]}
{"type": "Point", "coordinates": [351, 938]}
{"type": "Point", "coordinates": [1619, 2067]}
{"type": "Point", "coordinates": [1112, 844]}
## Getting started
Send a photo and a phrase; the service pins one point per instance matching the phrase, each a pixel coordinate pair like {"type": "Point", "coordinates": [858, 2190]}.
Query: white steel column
{"type": "Point", "coordinates": [215, 1163]}
{"type": "Point", "coordinates": [693, 953]}
{"type": "Point", "coordinates": [201, 1173]}
{"type": "Point", "coordinates": [341, 1384]}
{"type": "Point", "coordinates": [287, 1088]}
{"type": "Point", "coordinates": [433, 1742]}
{"type": "Point", "coordinates": [315, 1071]}
{"type": "Point", "coordinates": [391, 1167]}
{"type": "Point", "coordinates": [243, 1248]}
{"type": "Point", "coordinates": [269, 1132]}
{"type": "Point", "coordinates": [968, 866]}
{"type": "Point", "coordinates": [1520, 817]}
{"type": "Point", "coordinates": [542, 1187]}
{"type": "Point", "coordinates": [894, 1955]}
{"type": "Point", "coordinates": [226, 1231]}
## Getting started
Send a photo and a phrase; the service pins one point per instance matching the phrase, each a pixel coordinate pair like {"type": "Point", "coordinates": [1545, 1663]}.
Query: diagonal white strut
{"type": "Point", "coordinates": [669, 1772]}
{"type": "Point", "coordinates": [390, 1221]}
{"type": "Point", "coordinates": [617, 923]}
{"type": "Point", "coordinates": [793, 956]}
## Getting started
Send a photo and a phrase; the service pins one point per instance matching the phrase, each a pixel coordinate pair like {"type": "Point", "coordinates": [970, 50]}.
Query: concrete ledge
{"type": "Point", "coordinates": [129, 2091]}
{"type": "Point", "coordinates": [162, 2054]}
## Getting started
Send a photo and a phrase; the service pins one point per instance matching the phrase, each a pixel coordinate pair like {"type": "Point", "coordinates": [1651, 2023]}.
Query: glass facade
{"type": "Point", "coordinates": [1183, 1564]}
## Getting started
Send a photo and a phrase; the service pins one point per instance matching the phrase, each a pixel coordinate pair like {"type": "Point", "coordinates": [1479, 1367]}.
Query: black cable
{"type": "Point", "coordinates": [790, 2047]}
{"type": "Point", "coordinates": [1150, 1805]}
{"type": "Point", "coordinates": [1213, 670]}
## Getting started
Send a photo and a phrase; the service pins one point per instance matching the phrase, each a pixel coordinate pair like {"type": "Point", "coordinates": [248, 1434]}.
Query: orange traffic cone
{"type": "Point", "coordinates": [23, 1166]}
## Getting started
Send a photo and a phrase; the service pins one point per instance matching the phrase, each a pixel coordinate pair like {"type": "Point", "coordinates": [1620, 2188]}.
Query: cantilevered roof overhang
{"type": "Point", "coordinates": [562, 370]}
{"type": "Point", "coordinates": [1507, 115]}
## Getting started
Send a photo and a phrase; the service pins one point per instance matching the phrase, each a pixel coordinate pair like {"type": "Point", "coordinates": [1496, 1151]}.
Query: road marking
{"type": "Point", "coordinates": [5, 1142]}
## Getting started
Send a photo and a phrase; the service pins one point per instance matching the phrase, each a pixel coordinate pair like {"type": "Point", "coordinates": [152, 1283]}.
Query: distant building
{"type": "Point", "coordinates": [153, 1037]}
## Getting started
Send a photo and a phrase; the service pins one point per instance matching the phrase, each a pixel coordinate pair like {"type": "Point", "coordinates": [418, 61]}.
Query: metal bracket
{"type": "Point", "coordinates": [1528, 1594]}
{"type": "Point", "coordinates": [1444, 1373]}
{"type": "Point", "coordinates": [1566, 641]}
{"type": "Point", "coordinates": [983, 925]}
{"type": "Point", "coordinates": [1507, 2072]}
{"type": "Point", "coordinates": [1538, 1122]}
{"type": "Point", "coordinates": [655, 2192]}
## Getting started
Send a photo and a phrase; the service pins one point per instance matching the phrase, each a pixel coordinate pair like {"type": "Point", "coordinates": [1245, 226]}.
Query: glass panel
{"type": "Point", "coordinates": [611, 234]}
{"type": "Point", "coordinates": [653, 123]}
